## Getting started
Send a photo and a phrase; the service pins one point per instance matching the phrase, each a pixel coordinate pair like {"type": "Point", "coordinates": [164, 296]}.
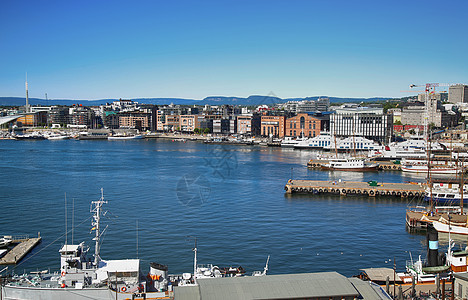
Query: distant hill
{"type": "Point", "coordinates": [253, 100]}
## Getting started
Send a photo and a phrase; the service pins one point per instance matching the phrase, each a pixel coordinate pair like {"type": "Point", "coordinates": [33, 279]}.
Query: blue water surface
{"type": "Point", "coordinates": [230, 197]}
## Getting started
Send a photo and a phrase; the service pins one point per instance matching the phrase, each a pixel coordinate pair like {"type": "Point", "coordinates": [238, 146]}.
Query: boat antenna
{"type": "Point", "coordinates": [73, 217]}
{"type": "Point", "coordinates": [137, 238]}
{"type": "Point", "coordinates": [95, 223]}
{"type": "Point", "coordinates": [266, 266]}
{"type": "Point", "coordinates": [462, 185]}
{"type": "Point", "coordinates": [194, 258]}
{"type": "Point", "coordinates": [66, 221]}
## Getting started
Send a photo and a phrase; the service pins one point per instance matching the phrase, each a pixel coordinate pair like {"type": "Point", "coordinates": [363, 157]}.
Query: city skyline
{"type": "Point", "coordinates": [155, 49]}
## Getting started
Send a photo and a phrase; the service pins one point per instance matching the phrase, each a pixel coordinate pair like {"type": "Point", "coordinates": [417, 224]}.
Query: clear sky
{"type": "Point", "coordinates": [193, 49]}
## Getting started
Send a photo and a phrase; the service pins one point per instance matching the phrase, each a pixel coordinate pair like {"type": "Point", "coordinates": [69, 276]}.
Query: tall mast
{"type": "Point", "coordinates": [27, 94]}
{"type": "Point", "coordinates": [462, 185]}
{"type": "Point", "coordinates": [95, 223]}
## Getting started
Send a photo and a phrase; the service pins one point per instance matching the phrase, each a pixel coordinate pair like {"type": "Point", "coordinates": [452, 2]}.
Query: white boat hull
{"type": "Point", "coordinates": [442, 227]}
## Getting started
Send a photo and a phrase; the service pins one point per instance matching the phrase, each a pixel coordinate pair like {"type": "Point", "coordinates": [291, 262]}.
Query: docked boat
{"type": "Point", "coordinates": [354, 143]}
{"type": "Point", "coordinates": [3, 252]}
{"type": "Point", "coordinates": [35, 136]}
{"type": "Point", "coordinates": [433, 169]}
{"type": "Point", "coordinates": [4, 242]}
{"type": "Point", "coordinates": [324, 140]}
{"type": "Point", "coordinates": [291, 142]}
{"type": "Point", "coordinates": [349, 164]}
{"type": "Point", "coordinates": [125, 137]}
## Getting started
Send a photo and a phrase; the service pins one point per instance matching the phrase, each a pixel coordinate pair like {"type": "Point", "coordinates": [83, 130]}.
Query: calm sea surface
{"type": "Point", "coordinates": [230, 197]}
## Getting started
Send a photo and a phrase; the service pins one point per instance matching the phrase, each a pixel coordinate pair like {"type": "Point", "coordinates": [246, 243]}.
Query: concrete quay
{"type": "Point", "coordinates": [23, 247]}
{"type": "Point", "coordinates": [402, 190]}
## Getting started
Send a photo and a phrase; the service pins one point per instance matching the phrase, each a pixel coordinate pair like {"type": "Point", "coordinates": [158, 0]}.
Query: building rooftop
{"type": "Point", "coordinates": [290, 286]}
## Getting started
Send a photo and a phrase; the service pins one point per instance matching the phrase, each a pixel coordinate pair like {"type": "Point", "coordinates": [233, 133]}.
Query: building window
{"type": "Point", "coordinates": [314, 125]}
{"type": "Point", "coordinates": [302, 122]}
{"type": "Point", "coordinates": [310, 126]}
{"type": "Point", "coordinates": [294, 125]}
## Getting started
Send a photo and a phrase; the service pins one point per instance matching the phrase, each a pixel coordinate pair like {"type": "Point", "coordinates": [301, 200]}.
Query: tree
{"type": "Point", "coordinates": [207, 130]}
{"type": "Point", "coordinates": [398, 122]}
{"type": "Point", "coordinates": [196, 130]}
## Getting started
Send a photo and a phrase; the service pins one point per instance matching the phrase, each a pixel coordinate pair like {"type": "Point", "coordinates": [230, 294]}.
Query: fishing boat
{"type": "Point", "coordinates": [349, 164]}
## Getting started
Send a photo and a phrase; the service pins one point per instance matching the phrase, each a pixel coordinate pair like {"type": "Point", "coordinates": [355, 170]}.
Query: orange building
{"type": "Point", "coordinates": [188, 123]}
{"type": "Point", "coordinates": [273, 126]}
{"type": "Point", "coordinates": [303, 123]}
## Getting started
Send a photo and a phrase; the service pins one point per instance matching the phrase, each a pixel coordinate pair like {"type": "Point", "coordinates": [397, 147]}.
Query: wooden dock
{"type": "Point", "coordinates": [20, 250]}
{"type": "Point", "coordinates": [383, 165]}
{"type": "Point", "coordinates": [355, 188]}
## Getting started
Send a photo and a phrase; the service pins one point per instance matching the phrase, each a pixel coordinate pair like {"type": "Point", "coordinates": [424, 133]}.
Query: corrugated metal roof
{"type": "Point", "coordinates": [288, 286]}
{"type": "Point", "coordinates": [308, 285]}
{"type": "Point", "coordinates": [369, 290]}
{"type": "Point", "coordinates": [186, 293]}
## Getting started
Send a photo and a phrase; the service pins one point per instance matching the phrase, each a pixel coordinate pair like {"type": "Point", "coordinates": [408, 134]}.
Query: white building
{"type": "Point", "coordinates": [369, 122]}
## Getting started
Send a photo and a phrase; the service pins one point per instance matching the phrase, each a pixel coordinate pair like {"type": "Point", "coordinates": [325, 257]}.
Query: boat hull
{"type": "Point", "coordinates": [423, 170]}
{"type": "Point", "coordinates": [15, 292]}
{"type": "Point", "coordinates": [442, 227]}
{"type": "Point", "coordinates": [359, 169]}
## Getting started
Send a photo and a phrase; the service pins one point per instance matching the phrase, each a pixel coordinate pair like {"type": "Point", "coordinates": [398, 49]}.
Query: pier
{"type": "Point", "coordinates": [371, 188]}
{"type": "Point", "coordinates": [383, 165]}
{"type": "Point", "coordinates": [23, 246]}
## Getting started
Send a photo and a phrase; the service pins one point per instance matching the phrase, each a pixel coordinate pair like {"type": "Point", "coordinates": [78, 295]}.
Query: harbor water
{"type": "Point", "coordinates": [230, 197]}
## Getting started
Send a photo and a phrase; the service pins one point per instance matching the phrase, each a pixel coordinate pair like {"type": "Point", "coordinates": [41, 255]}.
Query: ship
{"type": "Point", "coordinates": [349, 164]}
{"type": "Point", "coordinates": [83, 277]}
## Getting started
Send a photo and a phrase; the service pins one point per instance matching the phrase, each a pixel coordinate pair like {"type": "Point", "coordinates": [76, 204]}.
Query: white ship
{"type": "Point", "coordinates": [80, 277]}
{"type": "Point", "coordinates": [349, 164]}
{"type": "Point", "coordinates": [317, 142]}
{"type": "Point", "coordinates": [357, 143]}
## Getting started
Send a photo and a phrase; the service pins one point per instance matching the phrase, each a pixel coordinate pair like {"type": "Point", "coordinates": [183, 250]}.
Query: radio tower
{"type": "Point", "coordinates": [27, 95]}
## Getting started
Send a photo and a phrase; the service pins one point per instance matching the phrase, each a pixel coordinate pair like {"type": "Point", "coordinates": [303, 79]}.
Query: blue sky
{"type": "Point", "coordinates": [194, 49]}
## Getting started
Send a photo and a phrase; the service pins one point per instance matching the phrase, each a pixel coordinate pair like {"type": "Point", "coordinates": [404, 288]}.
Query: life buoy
{"type": "Point", "coordinates": [63, 273]}
{"type": "Point", "coordinates": [123, 289]}
{"type": "Point", "coordinates": [343, 191]}
{"type": "Point", "coordinates": [371, 192]}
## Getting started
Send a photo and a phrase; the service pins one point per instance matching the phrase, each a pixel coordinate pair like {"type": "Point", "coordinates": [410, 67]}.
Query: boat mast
{"type": "Point", "coordinates": [95, 223]}
{"type": "Point", "coordinates": [462, 185]}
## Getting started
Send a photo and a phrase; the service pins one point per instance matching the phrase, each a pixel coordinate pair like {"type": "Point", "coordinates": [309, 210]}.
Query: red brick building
{"type": "Point", "coordinates": [305, 124]}
{"type": "Point", "coordinates": [273, 126]}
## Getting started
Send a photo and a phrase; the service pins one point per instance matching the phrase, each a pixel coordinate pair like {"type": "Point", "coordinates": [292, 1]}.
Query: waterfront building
{"type": "Point", "coordinates": [458, 93]}
{"type": "Point", "coordinates": [273, 126]}
{"type": "Point", "coordinates": [188, 123]}
{"type": "Point", "coordinates": [110, 119]}
{"type": "Point", "coordinates": [221, 126]}
{"type": "Point", "coordinates": [58, 115]}
{"type": "Point", "coordinates": [38, 118]}
{"type": "Point", "coordinates": [206, 124]}
{"type": "Point", "coordinates": [305, 124]}
{"type": "Point", "coordinates": [369, 122]}
{"type": "Point", "coordinates": [248, 124]}
{"type": "Point", "coordinates": [135, 120]}
{"type": "Point", "coordinates": [80, 115]}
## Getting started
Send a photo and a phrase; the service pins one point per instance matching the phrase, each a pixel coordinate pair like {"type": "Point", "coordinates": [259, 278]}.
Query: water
{"type": "Point", "coordinates": [230, 197]}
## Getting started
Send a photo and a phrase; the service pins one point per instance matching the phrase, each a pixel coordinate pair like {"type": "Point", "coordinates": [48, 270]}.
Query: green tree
{"type": "Point", "coordinates": [207, 130]}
